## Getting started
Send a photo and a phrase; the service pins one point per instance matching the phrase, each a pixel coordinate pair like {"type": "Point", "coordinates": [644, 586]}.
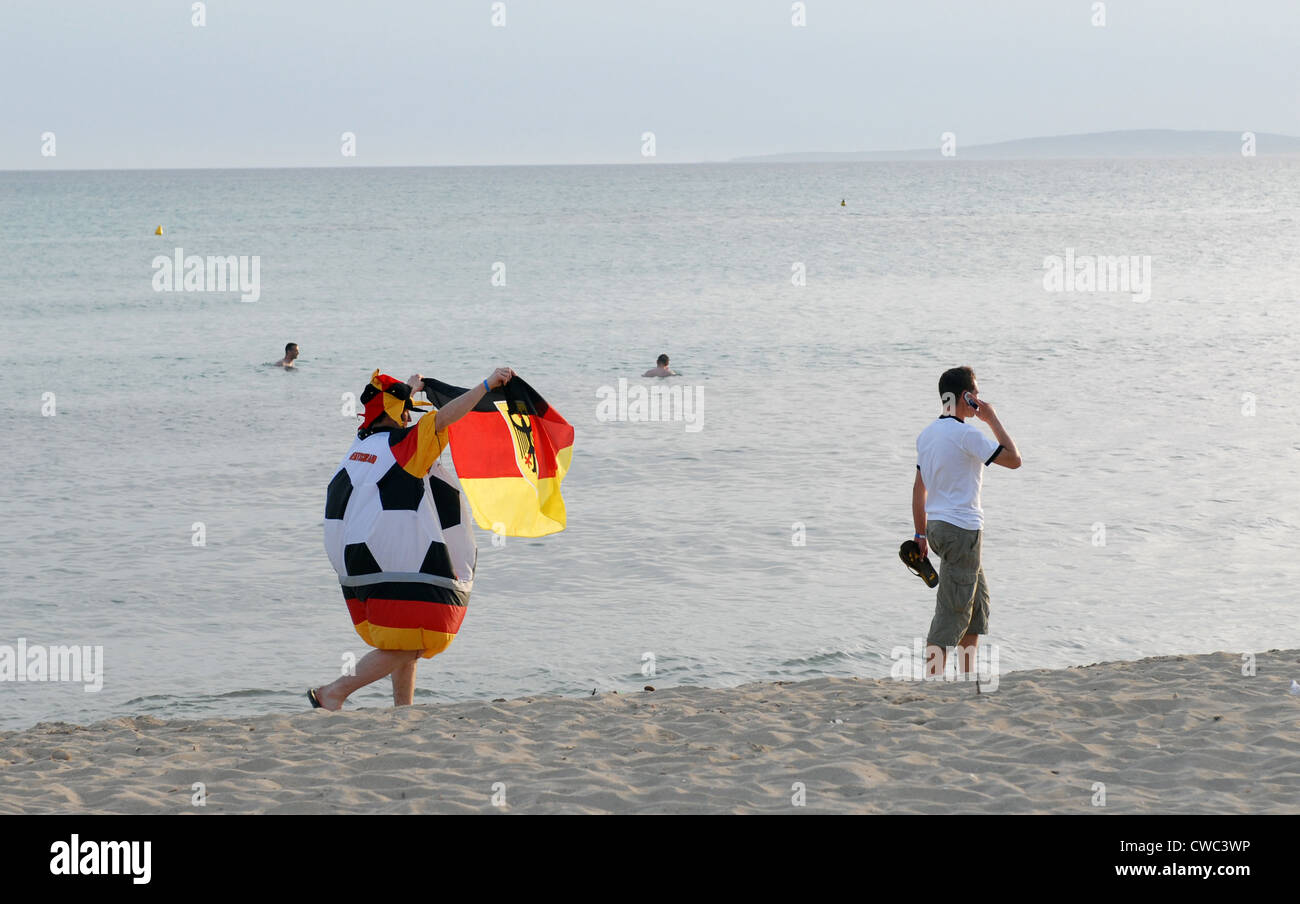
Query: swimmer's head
{"type": "Point", "coordinates": [386, 396]}
{"type": "Point", "coordinates": [291, 351]}
{"type": "Point", "coordinates": [662, 360]}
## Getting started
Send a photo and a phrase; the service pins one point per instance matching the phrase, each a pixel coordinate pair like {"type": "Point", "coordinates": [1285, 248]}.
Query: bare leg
{"type": "Point", "coordinates": [404, 683]}
{"type": "Point", "coordinates": [374, 665]}
{"type": "Point", "coordinates": [966, 653]}
{"type": "Point", "coordinates": [935, 657]}
{"type": "Point", "coordinates": [967, 661]}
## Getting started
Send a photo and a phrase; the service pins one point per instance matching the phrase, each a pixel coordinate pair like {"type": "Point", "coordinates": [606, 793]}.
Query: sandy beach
{"type": "Point", "coordinates": [1182, 734]}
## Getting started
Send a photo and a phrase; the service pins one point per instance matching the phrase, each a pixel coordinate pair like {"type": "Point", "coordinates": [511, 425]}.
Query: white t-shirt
{"type": "Point", "coordinates": [951, 456]}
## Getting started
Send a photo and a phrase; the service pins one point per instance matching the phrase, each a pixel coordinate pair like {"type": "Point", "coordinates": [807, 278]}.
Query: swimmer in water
{"type": "Point", "coordinates": [290, 353]}
{"type": "Point", "coordinates": [661, 369]}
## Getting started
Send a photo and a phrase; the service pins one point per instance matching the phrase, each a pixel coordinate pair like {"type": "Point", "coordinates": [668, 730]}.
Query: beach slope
{"type": "Point", "coordinates": [1181, 734]}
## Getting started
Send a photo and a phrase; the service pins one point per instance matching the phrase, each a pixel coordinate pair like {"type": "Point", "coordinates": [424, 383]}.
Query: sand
{"type": "Point", "coordinates": [1181, 734]}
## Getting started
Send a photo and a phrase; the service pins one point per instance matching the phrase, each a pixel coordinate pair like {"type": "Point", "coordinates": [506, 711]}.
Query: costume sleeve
{"type": "Point", "coordinates": [419, 446]}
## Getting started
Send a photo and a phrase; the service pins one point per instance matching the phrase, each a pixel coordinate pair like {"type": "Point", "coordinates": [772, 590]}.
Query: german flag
{"type": "Point", "coordinates": [511, 452]}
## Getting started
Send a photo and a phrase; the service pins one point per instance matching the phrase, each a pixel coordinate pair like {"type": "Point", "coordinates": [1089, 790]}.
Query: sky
{"type": "Point", "coordinates": [134, 83]}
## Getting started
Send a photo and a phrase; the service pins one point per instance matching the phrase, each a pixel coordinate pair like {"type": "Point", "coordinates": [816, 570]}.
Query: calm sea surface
{"type": "Point", "coordinates": [1134, 418]}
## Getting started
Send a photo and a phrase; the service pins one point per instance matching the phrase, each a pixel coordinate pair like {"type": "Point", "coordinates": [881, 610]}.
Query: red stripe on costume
{"type": "Point", "coordinates": [407, 614]}
{"type": "Point", "coordinates": [357, 610]}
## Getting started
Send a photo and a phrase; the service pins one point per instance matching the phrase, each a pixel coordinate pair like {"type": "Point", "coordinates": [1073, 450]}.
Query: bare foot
{"type": "Point", "coordinates": [329, 701]}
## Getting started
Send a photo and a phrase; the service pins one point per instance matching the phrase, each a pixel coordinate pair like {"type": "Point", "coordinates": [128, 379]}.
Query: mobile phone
{"type": "Point", "coordinates": [970, 400]}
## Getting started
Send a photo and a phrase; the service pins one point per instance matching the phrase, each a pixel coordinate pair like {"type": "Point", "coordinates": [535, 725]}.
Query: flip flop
{"type": "Point", "coordinates": [311, 695]}
{"type": "Point", "coordinates": [919, 565]}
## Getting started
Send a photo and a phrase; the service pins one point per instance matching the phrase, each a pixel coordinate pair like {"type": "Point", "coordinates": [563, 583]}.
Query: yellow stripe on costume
{"type": "Point", "coordinates": [429, 445]}
{"type": "Point", "coordinates": [431, 642]}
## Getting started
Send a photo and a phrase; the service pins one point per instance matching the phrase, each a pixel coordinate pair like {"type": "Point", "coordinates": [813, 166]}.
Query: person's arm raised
{"type": "Point", "coordinates": [1008, 456]}
{"type": "Point", "coordinates": [464, 403]}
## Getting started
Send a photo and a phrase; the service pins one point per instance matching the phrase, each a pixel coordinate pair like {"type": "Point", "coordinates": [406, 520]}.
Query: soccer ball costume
{"type": "Point", "coordinates": [399, 531]}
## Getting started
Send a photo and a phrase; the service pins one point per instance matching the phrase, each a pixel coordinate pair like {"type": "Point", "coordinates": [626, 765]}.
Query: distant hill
{"type": "Point", "coordinates": [1133, 143]}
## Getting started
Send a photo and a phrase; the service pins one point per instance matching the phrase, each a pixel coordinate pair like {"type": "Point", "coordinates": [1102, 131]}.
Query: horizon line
{"type": "Point", "coordinates": [744, 159]}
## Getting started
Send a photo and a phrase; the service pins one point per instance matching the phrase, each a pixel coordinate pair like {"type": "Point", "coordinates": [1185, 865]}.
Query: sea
{"type": "Point", "coordinates": [164, 486]}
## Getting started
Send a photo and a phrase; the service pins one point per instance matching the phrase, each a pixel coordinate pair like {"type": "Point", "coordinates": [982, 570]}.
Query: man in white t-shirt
{"type": "Point", "coordinates": [951, 455]}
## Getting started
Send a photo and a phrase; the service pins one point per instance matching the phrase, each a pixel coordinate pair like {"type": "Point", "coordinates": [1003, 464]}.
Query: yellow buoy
{"type": "Point", "coordinates": [841, 205]}
{"type": "Point", "coordinates": [158, 231]}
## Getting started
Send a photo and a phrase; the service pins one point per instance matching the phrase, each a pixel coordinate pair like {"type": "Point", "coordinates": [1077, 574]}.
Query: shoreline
{"type": "Point", "coordinates": [1171, 734]}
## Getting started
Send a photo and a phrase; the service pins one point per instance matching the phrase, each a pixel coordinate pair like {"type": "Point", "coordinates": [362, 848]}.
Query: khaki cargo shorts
{"type": "Point", "coordinates": [962, 606]}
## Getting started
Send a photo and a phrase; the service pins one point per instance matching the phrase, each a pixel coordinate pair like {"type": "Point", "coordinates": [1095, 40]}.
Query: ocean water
{"type": "Point", "coordinates": [1168, 424]}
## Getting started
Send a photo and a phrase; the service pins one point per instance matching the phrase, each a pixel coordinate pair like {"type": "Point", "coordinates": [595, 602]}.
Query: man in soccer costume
{"type": "Point", "coordinates": [400, 534]}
